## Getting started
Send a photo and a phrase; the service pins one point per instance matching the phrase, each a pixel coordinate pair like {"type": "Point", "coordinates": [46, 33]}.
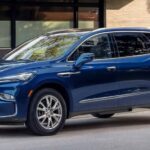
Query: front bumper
{"type": "Point", "coordinates": [16, 110]}
{"type": "Point", "coordinates": [8, 112]}
{"type": "Point", "coordinates": [7, 109]}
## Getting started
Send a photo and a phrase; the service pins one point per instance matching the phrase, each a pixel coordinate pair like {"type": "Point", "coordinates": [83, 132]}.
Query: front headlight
{"type": "Point", "coordinates": [6, 97]}
{"type": "Point", "coordinates": [19, 77]}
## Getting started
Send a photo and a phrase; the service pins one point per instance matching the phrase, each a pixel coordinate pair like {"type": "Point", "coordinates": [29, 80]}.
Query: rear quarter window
{"type": "Point", "coordinates": [147, 40]}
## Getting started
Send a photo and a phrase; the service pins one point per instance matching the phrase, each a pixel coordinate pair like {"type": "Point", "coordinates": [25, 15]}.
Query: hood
{"type": "Point", "coordinates": [5, 65]}
{"type": "Point", "coordinates": [14, 67]}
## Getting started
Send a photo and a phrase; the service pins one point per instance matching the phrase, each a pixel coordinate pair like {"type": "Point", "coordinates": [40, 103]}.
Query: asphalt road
{"type": "Point", "coordinates": [128, 131]}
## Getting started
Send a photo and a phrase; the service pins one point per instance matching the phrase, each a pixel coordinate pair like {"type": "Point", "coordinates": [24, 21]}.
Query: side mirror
{"type": "Point", "coordinates": [84, 58]}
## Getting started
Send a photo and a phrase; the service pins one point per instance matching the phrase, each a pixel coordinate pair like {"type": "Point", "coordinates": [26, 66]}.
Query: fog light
{"type": "Point", "coordinates": [6, 97]}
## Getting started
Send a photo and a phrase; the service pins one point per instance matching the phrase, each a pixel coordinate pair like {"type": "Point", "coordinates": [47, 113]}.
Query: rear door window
{"type": "Point", "coordinates": [130, 44]}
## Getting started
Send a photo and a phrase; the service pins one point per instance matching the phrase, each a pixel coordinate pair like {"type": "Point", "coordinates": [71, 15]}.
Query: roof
{"type": "Point", "coordinates": [67, 31]}
{"type": "Point", "coordinates": [91, 31]}
{"type": "Point", "coordinates": [122, 29]}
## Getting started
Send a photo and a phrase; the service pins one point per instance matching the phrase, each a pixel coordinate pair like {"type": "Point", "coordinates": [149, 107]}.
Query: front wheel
{"type": "Point", "coordinates": [98, 115]}
{"type": "Point", "coordinates": [47, 112]}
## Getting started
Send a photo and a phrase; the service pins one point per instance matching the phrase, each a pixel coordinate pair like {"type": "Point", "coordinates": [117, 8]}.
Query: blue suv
{"type": "Point", "coordinates": [73, 72]}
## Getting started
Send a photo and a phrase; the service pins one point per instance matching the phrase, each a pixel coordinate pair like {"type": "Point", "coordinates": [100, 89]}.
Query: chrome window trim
{"type": "Point", "coordinates": [12, 115]}
{"type": "Point", "coordinates": [108, 33]}
{"type": "Point", "coordinates": [92, 100]}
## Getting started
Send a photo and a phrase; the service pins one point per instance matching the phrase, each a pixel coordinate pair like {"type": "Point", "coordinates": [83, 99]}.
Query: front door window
{"type": "Point", "coordinates": [99, 45]}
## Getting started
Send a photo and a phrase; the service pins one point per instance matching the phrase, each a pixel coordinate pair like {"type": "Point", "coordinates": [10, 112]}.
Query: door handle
{"type": "Point", "coordinates": [111, 68]}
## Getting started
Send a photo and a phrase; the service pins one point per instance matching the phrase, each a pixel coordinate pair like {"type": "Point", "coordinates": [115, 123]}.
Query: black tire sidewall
{"type": "Point", "coordinates": [32, 117]}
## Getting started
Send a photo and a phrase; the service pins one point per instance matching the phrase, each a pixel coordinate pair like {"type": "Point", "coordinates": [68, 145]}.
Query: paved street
{"type": "Point", "coordinates": [128, 131]}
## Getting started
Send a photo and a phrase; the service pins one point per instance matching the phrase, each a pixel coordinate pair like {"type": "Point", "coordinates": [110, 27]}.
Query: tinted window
{"type": "Point", "coordinates": [99, 45]}
{"type": "Point", "coordinates": [129, 44]}
{"type": "Point", "coordinates": [147, 40]}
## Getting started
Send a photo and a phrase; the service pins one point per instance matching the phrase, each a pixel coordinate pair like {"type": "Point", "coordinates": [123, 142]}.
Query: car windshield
{"type": "Point", "coordinates": [44, 47]}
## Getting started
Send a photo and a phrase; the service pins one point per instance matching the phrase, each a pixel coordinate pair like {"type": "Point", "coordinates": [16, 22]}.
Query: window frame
{"type": "Point", "coordinates": [110, 43]}
{"type": "Point", "coordinates": [138, 32]}
{"type": "Point", "coordinates": [113, 45]}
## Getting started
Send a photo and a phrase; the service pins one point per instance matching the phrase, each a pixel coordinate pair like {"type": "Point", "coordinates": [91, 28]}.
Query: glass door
{"type": "Point", "coordinates": [5, 38]}
{"type": "Point", "coordinates": [88, 17]}
{"type": "Point", "coordinates": [32, 21]}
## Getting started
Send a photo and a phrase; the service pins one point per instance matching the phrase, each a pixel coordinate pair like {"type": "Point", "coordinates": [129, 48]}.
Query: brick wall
{"type": "Point", "coordinates": [120, 13]}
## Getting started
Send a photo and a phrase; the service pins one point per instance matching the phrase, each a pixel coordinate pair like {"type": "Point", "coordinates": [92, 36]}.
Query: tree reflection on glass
{"type": "Point", "coordinates": [45, 47]}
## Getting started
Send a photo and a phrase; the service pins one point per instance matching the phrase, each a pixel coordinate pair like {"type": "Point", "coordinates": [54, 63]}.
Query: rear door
{"type": "Point", "coordinates": [133, 69]}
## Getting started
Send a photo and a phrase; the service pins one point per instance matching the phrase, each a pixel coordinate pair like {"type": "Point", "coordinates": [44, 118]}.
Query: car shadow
{"type": "Point", "coordinates": [81, 124]}
{"type": "Point", "coordinates": [114, 122]}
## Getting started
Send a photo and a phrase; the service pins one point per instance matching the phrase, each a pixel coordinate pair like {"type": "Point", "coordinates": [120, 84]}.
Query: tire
{"type": "Point", "coordinates": [104, 116]}
{"type": "Point", "coordinates": [47, 112]}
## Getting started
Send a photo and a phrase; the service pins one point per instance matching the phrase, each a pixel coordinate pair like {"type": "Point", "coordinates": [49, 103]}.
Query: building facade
{"type": "Point", "coordinates": [21, 20]}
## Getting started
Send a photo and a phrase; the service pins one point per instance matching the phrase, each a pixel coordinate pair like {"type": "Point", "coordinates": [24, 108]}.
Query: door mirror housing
{"type": "Point", "coordinates": [83, 58]}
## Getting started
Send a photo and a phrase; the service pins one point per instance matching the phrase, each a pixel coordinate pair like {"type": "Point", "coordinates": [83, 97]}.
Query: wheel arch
{"type": "Point", "coordinates": [58, 87]}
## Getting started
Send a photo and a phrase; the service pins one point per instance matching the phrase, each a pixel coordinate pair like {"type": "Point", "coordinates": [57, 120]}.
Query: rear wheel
{"type": "Point", "coordinates": [47, 112]}
{"type": "Point", "coordinates": [98, 115]}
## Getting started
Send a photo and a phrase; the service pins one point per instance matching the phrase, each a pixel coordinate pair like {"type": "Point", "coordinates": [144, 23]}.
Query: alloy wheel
{"type": "Point", "coordinates": [49, 112]}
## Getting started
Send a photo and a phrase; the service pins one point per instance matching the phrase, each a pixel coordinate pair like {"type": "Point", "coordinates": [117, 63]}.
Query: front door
{"type": "Point", "coordinates": [94, 85]}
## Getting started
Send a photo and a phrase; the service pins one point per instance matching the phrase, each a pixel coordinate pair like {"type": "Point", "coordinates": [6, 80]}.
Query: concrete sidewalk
{"type": "Point", "coordinates": [125, 131]}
